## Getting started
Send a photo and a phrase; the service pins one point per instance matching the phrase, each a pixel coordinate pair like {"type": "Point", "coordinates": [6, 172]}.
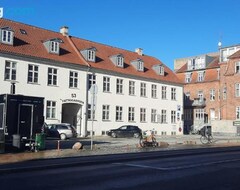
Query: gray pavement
{"type": "Point", "coordinates": [103, 145]}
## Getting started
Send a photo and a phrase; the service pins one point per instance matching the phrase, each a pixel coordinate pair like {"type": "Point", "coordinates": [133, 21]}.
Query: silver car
{"type": "Point", "coordinates": [61, 130]}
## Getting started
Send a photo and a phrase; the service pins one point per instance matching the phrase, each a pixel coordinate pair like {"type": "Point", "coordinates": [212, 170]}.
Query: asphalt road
{"type": "Point", "coordinates": [187, 169]}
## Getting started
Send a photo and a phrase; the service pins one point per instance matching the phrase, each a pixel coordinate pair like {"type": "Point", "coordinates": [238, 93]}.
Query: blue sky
{"type": "Point", "coordinates": [166, 29]}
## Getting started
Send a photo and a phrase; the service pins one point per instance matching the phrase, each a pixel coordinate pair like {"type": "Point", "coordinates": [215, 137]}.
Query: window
{"type": "Point", "coordinates": [143, 89]}
{"type": "Point", "coordinates": [164, 116]}
{"type": "Point", "coordinates": [173, 93]}
{"type": "Point", "coordinates": [54, 47]}
{"type": "Point", "coordinates": [237, 67]}
{"type": "Point", "coordinates": [119, 113]}
{"type": "Point", "coordinates": [237, 90]}
{"type": "Point", "coordinates": [51, 110]}
{"type": "Point", "coordinates": [187, 96]}
{"type": "Point", "coordinates": [200, 95]}
{"type": "Point", "coordinates": [224, 93]}
{"type": "Point", "coordinates": [91, 80]}
{"type": "Point", "coordinates": [201, 76]}
{"type": "Point", "coordinates": [154, 91]}
{"type": "Point", "coordinates": [188, 77]}
{"type": "Point", "coordinates": [131, 113]}
{"type": "Point", "coordinates": [73, 79]}
{"type": "Point", "coordinates": [131, 88]}
{"type": "Point", "coordinates": [52, 76]}
{"type": "Point", "coordinates": [140, 66]}
{"type": "Point", "coordinates": [212, 94]}
{"type": "Point", "coordinates": [161, 70]}
{"type": "Point", "coordinates": [91, 113]}
{"type": "Point", "coordinates": [238, 112]}
{"type": "Point", "coordinates": [10, 70]}
{"type": "Point", "coordinates": [199, 114]}
{"type": "Point", "coordinates": [119, 89]}
{"type": "Point", "coordinates": [91, 55]}
{"type": "Point", "coordinates": [173, 116]}
{"type": "Point", "coordinates": [106, 84]}
{"type": "Point", "coordinates": [120, 61]}
{"type": "Point", "coordinates": [142, 114]}
{"type": "Point", "coordinates": [105, 112]}
{"type": "Point", "coordinates": [7, 36]}
{"type": "Point", "coordinates": [153, 115]}
{"type": "Point", "coordinates": [191, 64]}
{"type": "Point", "coordinates": [32, 74]}
{"type": "Point", "coordinates": [164, 92]}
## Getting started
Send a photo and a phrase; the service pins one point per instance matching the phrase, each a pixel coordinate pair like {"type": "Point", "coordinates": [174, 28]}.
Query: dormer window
{"type": "Point", "coordinates": [140, 66]}
{"type": "Point", "coordinates": [53, 45]}
{"type": "Point", "coordinates": [191, 64]}
{"type": "Point", "coordinates": [89, 54]}
{"type": "Point", "coordinates": [159, 69]}
{"type": "Point", "coordinates": [7, 35]}
{"type": "Point", "coordinates": [118, 60]}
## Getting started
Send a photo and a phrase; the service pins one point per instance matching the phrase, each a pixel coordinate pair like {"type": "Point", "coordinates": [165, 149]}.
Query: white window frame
{"type": "Point", "coordinates": [131, 114]}
{"type": "Point", "coordinates": [238, 112]}
{"type": "Point", "coordinates": [188, 77]}
{"type": "Point", "coordinates": [142, 114]}
{"type": "Point", "coordinates": [73, 79]}
{"type": "Point", "coordinates": [7, 37]}
{"type": "Point", "coordinates": [91, 80]}
{"type": "Point", "coordinates": [32, 73]}
{"type": "Point", "coordinates": [105, 112]}
{"type": "Point", "coordinates": [212, 95]}
{"type": "Point", "coordinates": [173, 116]}
{"type": "Point", "coordinates": [10, 71]}
{"type": "Point", "coordinates": [201, 76]}
{"type": "Point", "coordinates": [106, 84]}
{"type": "Point", "coordinates": [237, 67]}
{"type": "Point", "coordinates": [153, 115]}
{"type": "Point", "coordinates": [200, 95]}
{"type": "Point", "coordinates": [51, 109]}
{"type": "Point", "coordinates": [143, 89]}
{"type": "Point", "coordinates": [173, 93]}
{"type": "Point", "coordinates": [119, 86]}
{"type": "Point", "coordinates": [140, 66]}
{"type": "Point", "coordinates": [54, 47]}
{"type": "Point", "coordinates": [164, 92]}
{"type": "Point", "coordinates": [131, 88]}
{"type": "Point", "coordinates": [161, 70]}
{"type": "Point", "coordinates": [90, 55]}
{"type": "Point", "coordinates": [119, 61]}
{"type": "Point", "coordinates": [52, 76]}
{"type": "Point", "coordinates": [164, 116]}
{"type": "Point", "coordinates": [154, 91]}
{"type": "Point", "coordinates": [119, 113]}
{"type": "Point", "coordinates": [199, 114]}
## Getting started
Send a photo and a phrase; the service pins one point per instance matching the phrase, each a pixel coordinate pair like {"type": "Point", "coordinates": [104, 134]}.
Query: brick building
{"type": "Point", "coordinates": [211, 90]}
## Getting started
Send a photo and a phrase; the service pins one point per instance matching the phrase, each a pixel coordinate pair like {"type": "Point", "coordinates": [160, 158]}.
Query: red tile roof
{"type": "Point", "coordinates": [31, 45]}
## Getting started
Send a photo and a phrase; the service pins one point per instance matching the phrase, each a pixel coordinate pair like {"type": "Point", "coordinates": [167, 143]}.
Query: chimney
{"type": "Point", "coordinates": [64, 30]}
{"type": "Point", "coordinates": [139, 51]}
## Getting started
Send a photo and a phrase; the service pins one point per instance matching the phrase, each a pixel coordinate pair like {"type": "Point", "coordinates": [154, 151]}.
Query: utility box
{"type": "Point", "coordinates": [21, 117]}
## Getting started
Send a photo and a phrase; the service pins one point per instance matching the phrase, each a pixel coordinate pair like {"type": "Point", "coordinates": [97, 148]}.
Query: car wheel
{"type": "Point", "coordinates": [114, 135]}
{"type": "Point", "coordinates": [136, 135]}
{"type": "Point", "coordinates": [63, 136]}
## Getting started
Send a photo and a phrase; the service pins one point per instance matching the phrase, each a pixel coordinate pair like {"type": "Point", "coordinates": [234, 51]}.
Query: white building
{"type": "Point", "coordinates": [132, 88]}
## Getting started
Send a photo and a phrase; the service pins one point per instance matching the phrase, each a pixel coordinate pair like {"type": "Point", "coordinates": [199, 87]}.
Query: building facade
{"type": "Point", "coordinates": [90, 85]}
{"type": "Point", "coordinates": [211, 90]}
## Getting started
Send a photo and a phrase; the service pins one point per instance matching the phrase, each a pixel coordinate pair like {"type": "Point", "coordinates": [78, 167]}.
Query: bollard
{"type": "Point", "coordinates": [58, 145]}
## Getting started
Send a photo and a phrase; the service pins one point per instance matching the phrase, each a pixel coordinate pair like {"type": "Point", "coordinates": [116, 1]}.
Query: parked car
{"type": "Point", "coordinates": [125, 131]}
{"type": "Point", "coordinates": [60, 130]}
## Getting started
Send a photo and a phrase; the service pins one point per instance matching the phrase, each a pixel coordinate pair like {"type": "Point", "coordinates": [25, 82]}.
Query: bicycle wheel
{"type": "Point", "coordinates": [204, 139]}
{"type": "Point", "coordinates": [142, 142]}
{"type": "Point", "coordinates": [210, 139]}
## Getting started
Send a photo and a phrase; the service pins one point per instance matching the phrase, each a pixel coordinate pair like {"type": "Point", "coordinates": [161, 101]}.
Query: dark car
{"type": "Point", "coordinates": [125, 131]}
{"type": "Point", "coordinates": [60, 130]}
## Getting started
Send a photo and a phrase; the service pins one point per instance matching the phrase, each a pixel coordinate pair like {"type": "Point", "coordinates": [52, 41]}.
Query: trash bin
{"type": "Point", "coordinates": [16, 141]}
{"type": "Point", "coordinates": [40, 141]}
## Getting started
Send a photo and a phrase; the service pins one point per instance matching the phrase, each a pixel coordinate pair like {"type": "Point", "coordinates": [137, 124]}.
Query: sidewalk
{"type": "Point", "coordinates": [121, 145]}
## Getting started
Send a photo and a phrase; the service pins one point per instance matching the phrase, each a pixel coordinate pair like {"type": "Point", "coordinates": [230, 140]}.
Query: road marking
{"type": "Point", "coordinates": [180, 167]}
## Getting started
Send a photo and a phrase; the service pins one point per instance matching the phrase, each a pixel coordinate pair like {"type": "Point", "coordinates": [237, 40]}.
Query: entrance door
{"type": "Point", "coordinates": [25, 122]}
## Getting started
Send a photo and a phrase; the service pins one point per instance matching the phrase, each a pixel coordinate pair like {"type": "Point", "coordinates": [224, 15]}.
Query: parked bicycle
{"type": "Point", "coordinates": [206, 135]}
{"type": "Point", "coordinates": [147, 139]}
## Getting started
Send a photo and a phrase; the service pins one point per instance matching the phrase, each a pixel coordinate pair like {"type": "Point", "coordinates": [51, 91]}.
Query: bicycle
{"type": "Point", "coordinates": [206, 139]}
{"type": "Point", "coordinates": [148, 140]}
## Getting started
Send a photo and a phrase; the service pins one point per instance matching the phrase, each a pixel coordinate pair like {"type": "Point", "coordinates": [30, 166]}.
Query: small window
{"type": "Point", "coordinates": [23, 31]}
{"type": "Point", "coordinates": [7, 36]}
{"type": "Point", "coordinates": [91, 55]}
{"type": "Point", "coordinates": [119, 61]}
{"type": "Point", "coordinates": [140, 66]}
{"type": "Point", "coordinates": [54, 47]}
{"type": "Point", "coordinates": [237, 67]}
